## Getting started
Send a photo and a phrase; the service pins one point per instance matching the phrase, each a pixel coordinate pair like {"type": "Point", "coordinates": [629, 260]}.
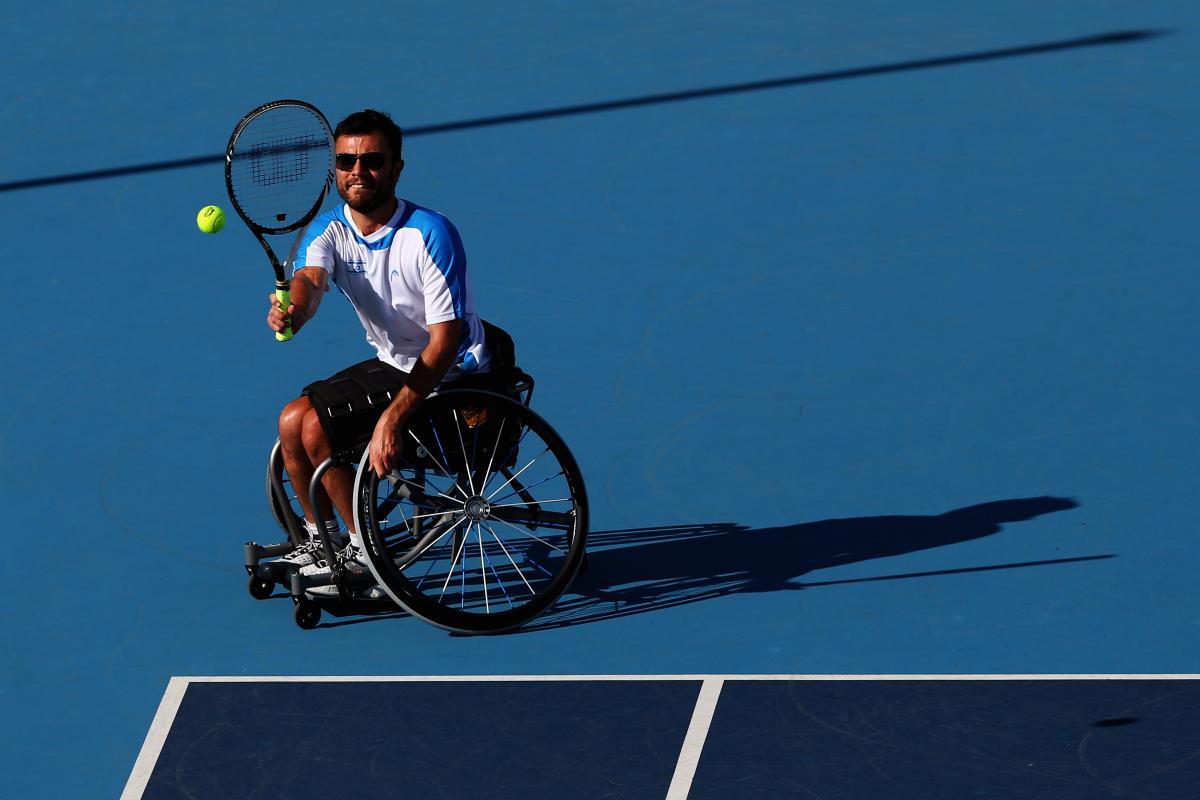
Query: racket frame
{"type": "Point", "coordinates": [283, 285]}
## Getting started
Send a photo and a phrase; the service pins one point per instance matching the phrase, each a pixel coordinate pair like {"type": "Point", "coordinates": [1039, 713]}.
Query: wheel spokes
{"type": "Point", "coordinates": [524, 559]}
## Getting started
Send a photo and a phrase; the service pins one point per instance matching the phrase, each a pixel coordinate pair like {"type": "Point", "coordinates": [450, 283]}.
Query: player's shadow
{"type": "Point", "coordinates": [639, 570]}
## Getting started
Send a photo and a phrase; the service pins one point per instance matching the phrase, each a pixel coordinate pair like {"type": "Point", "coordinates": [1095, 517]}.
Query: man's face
{"type": "Point", "coordinates": [364, 186]}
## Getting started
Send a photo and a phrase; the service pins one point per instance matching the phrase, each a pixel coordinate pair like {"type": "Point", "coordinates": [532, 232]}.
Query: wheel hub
{"type": "Point", "coordinates": [478, 509]}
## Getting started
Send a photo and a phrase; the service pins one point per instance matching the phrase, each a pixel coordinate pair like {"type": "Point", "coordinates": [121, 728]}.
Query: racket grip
{"type": "Point", "coordinates": [284, 295]}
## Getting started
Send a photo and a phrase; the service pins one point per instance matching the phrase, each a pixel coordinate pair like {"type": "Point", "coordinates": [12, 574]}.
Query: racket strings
{"type": "Point", "coordinates": [282, 160]}
{"type": "Point", "coordinates": [279, 164]}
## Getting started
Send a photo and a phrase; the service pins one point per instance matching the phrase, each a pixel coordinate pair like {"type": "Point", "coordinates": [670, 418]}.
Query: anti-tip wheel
{"type": "Point", "coordinates": [307, 615]}
{"type": "Point", "coordinates": [261, 588]}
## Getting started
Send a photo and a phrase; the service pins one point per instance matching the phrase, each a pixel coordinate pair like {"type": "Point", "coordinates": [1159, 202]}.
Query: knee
{"type": "Point", "coordinates": [291, 421]}
{"type": "Point", "coordinates": [313, 437]}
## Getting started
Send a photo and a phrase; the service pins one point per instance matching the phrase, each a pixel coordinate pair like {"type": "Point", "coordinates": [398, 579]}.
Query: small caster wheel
{"type": "Point", "coordinates": [261, 588]}
{"type": "Point", "coordinates": [307, 615]}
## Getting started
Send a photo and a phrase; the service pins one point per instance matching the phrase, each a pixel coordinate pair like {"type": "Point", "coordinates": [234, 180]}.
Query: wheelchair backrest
{"type": "Point", "coordinates": [500, 346]}
{"type": "Point", "coordinates": [514, 381]}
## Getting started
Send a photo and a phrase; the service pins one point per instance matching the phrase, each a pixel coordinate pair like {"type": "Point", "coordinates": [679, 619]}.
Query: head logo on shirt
{"type": "Point", "coordinates": [395, 274]}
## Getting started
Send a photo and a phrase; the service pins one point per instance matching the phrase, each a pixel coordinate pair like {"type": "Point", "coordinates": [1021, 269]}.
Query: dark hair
{"type": "Point", "coordinates": [369, 120]}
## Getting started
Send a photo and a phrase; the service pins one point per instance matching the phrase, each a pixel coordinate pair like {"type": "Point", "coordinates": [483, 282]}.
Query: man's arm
{"type": "Point", "coordinates": [437, 357]}
{"type": "Point", "coordinates": [308, 287]}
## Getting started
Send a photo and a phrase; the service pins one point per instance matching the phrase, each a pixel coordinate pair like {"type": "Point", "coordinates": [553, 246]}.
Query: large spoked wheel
{"type": "Point", "coordinates": [287, 506]}
{"type": "Point", "coordinates": [484, 522]}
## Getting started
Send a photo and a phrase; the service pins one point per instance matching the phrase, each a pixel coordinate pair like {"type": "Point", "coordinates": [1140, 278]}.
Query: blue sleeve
{"type": "Point", "coordinates": [314, 247]}
{"type": "Point", "coordinates": [445, 273]}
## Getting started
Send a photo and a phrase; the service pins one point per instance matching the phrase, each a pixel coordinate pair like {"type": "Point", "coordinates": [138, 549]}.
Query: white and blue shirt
{"type": "Point", "coordinates": [404, 277]}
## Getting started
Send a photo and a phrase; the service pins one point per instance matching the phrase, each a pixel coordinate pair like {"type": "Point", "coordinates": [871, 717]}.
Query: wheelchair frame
{"type": "Point", "coordinates": [342, 593]}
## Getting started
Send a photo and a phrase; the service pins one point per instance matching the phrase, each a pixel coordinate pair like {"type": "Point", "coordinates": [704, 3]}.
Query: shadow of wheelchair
{"type": "Point", "coordinates": [639, 570]}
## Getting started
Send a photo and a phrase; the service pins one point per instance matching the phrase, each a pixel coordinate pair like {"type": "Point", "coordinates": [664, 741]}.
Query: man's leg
{"type": "Point", "coordinates": [296, 460]}
{"type": "Point", "coordinates": [300, 467]}
{"type": "Point", "coordinates": [359, 395]}
{"type": "Point", "coordinates": [305, 447]}
{"type": "Point", "coordinates": [338, 481]}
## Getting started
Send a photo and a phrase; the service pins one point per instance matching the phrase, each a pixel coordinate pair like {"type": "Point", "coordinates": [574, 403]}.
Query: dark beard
{"type": "Point", "coordinates": [378, 198]}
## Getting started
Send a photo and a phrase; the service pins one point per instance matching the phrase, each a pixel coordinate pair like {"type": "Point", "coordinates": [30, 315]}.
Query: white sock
{"type": "Point", "coordinates": [356, 540]}
{"type": "Point", "coordinates": [311, 527]}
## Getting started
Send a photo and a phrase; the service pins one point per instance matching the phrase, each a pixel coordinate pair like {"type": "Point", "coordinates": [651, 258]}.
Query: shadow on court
{"type": "Point", "coordinates": [1040, 48]}
{"type": "Point", "coordinates": [640, 570]}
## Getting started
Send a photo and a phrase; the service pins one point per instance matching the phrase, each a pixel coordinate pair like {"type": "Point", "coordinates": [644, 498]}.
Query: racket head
{"type": "Point", "coordinates": [279, 166]}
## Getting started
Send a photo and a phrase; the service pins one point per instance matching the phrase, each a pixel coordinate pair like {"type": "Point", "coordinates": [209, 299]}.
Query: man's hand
{"type": "Point", "coordinates": [279, 319]}
{"type": "Point", "coordinates": [308, 285]}
{"type": "Point", "coordinates": [385, 442]}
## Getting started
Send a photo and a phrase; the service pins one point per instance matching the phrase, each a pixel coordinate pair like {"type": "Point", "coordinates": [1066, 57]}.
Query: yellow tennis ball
{"type": "Point", "coordinates": [210, 219]}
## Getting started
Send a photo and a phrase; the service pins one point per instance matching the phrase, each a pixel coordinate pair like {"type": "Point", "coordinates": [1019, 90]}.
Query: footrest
{"type": "Point", "coordinates": [328, 599]}
{"type": "Point", "coordinates": [256, 552]}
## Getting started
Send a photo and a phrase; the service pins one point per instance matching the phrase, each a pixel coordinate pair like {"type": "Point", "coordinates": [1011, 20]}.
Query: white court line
{"type": "Point", "coordinates": [1053, 676]}
{"type": "Point", "coordinates": [693, 743]}
{"type": "Point", "coordinates": [152, 747]}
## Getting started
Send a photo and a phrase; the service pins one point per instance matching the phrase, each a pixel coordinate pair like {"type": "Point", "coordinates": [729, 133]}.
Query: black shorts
{"type": "Point", "coordinates": [350, 403]}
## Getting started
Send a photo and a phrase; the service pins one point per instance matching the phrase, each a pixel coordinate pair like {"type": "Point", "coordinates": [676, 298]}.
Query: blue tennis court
{"type": "Point", "coordinates": [868, 325]}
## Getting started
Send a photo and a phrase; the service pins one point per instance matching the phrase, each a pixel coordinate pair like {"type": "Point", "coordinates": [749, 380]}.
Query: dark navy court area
{"type": "Point", "coordinates": [870, 326]}
{"type": "Point", "coordinates": [580, 738]}
{"type": "Point", "coordinates": [953, 739]}
{"type": "Point", "coordinates": [416, 739]}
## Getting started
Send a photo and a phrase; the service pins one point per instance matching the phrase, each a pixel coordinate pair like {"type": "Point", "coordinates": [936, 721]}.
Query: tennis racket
{"type": "Point", "coordinates": [278, 169]}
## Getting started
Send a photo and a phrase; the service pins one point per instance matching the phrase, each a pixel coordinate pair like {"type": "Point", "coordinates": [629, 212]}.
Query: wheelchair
{"type": "Point", "coordinates": [481, 525]}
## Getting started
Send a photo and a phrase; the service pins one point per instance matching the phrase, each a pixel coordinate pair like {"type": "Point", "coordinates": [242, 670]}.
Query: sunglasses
{"type": "Point", "coordinates": [346, 161]}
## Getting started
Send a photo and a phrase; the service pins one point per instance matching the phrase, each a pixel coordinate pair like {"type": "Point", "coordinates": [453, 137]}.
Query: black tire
{"type": "Point", "coordinates": [261, 588]}
{"type": "Point", "coordinates": [283, 508]}
{"type": "Point", "coordinates": [307, 614]}
{"type": "Point", "coordinates": [490, 462]}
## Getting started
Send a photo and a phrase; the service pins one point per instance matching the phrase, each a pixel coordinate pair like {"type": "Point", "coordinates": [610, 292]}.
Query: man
{"type": "Point", "coordinates": [404, 270]}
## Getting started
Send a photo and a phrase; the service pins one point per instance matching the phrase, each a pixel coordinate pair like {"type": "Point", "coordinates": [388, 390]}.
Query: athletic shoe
{"type": "Point", "coordinates": [349, 558]}
{"type": "Point", "coordinates": [302, 556]}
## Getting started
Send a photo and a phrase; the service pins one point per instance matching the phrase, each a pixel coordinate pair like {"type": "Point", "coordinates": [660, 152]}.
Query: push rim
{"type": "Point", "coordinates": [484, 522]}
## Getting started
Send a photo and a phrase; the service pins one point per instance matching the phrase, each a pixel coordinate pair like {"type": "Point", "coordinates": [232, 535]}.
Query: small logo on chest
{"type": "Point", "coordinates": [356, 267]}
{"type": "Point", "coordinates": [395, 274]}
